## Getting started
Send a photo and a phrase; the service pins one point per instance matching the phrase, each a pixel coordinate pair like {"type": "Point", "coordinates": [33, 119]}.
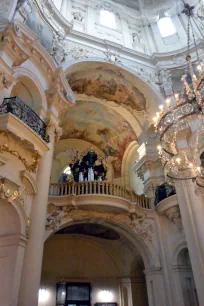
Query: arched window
{"type": "Point", "coordinates": [67, 170]}
{"type": "Point", "coordinates": [166, 26]}
{"type": "Point", "coordinates": [66, 175]}
{"type": "Point", "coordinates": [107, 19]}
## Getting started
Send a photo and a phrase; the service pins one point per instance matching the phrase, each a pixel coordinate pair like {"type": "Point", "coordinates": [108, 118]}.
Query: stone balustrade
{"type": "Point", "coordinates": [98, 188]}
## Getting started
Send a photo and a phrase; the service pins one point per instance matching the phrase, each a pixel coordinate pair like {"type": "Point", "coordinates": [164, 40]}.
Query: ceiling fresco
{"type": "Point", "coordinates": [101, 126]}
{"type": "Point", "coordinates": [109, 85]}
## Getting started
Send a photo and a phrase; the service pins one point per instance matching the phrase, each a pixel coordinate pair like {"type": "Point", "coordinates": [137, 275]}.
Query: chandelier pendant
{"type": "Point", "coordinates": [182, 112]}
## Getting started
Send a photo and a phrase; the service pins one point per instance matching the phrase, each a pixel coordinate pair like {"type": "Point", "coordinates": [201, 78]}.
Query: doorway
{"type": "Point", "coordinates": [73, 294]}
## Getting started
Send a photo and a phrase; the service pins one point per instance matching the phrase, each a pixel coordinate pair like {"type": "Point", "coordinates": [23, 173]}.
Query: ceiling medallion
{"type": "Point", "coordinates": [183, 112]}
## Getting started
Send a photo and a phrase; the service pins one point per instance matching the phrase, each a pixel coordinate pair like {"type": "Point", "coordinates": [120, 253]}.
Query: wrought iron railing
{"type": "Point", "coordinates": [18, 108]}
{"type": "Point", "coordinates": [98, 188]}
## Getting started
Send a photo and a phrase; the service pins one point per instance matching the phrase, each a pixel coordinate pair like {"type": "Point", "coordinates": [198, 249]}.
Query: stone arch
{"type": "Point", "coordinates": [126, 162]}
{"type": "Point", "coordinates": [178, 247]}
{"type": "Point", "coordinates": [145, 248]}
{"type": "Point", "coordinates": [17, 204]}
{"type": "Point", "coordinates": [152, 92]}
{"type": "Point", "coordinates": [12, 243]}
{"type": "Point", "coordinates": [29, 89]}
{"type": "Point", "coordinates": [186, 278]}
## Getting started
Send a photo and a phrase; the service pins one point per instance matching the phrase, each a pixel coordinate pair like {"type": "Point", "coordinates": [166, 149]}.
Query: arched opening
{"type": "Point", "coordinates": [94, 254]}
{"type": "Point", "coordinates": [28, 92]}
{"type": "Point", "coordinates": [186, 279]}
{"type": "Point", "coordinates": [10, 230]}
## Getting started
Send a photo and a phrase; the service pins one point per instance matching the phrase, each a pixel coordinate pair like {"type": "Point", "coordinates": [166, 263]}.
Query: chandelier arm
{"type": "Point", "coordinates": [194, 40]}
{"type": "Point", "coordinates": [197, 3]}
{"type": "Point", "coordinates": [195, 21]}
{"type": "Point", "coordinates": [188, 36]}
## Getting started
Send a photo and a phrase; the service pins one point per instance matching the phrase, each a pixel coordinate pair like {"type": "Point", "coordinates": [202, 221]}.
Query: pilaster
{"type": "Point", "coordinates": [192, 211]}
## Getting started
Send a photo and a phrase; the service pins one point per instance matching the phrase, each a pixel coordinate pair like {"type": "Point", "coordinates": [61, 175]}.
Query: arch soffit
{"type": "Point", "coordinates": [125, 162]}
{"type": "Point", "coordinates": [150, 90]}
{"type": "Point", "coordinates": [146, 250]}
{"type": "Point", "coordinates": [21, 72]}
{"type": "Point", "coordinates": [178, 247]}
{"type": "Point", "coordinates": [100, 246]}
{"type": "Point", "coordinates": [17, 204]}
{"type": "Point", "coordinates": [19, 210]}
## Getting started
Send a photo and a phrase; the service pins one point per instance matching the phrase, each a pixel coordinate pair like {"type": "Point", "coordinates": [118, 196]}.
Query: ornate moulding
{"type": "Point", "coordinates": [21, 44]}
{"type": "Point", "coordinates": [137, 220]}
{"type": "Point", "coordinates": [14, 195]}
{"type": "Point", "coordinates": [22, 149]}
{"type": "Point", "coordinates": [59, 23]}
{"type": "Point", "coordinates": [170, 208]}
{"type": "Point", "coordinates": [9, 124]}
{"type": "Point", "coordinates": [8, 190]}
{"type": "Point", "coordinates": [29, 183]}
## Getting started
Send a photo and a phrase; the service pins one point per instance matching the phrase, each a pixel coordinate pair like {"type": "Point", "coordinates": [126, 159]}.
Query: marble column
{"type": "Point", "coordinates": [192, 213]}
{"type": "Point", "coordinates": [155, 287]}
{"type": "Point", "coordinates": [31, 274]}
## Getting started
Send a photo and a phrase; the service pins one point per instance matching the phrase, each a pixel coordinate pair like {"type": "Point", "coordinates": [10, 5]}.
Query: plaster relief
{"type": "Point", "coordinates": [20, 148]}
{"type": "Point", "coordinates": [56, 216]}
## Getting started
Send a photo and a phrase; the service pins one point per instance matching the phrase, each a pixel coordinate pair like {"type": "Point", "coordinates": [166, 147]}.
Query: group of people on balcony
{"type": "Point", "coordinates": [89, 168]}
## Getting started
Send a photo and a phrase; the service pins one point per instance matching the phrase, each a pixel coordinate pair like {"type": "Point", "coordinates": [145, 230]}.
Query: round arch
{"type": "Point", "coordinates": [145, 248]}
{"type": "Point", "coordinates": [32, 86]}
{"type": "Point", "coordinates": [126, 161]}
{"type": "Point", "coordinates": [178, 247]}
{"type": "Point", "coordinates": [150, 90]}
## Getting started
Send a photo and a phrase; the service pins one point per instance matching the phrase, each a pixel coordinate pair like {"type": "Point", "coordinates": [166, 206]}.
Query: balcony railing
{"type": "Point", "coordinates": [15, 106]}
{"type": "Point", "coordinates": [98, 188]}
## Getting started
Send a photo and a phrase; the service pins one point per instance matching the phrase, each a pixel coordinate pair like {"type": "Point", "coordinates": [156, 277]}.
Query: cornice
{"type": "Point", "coordinates": [57, 21]}
{"type": "Point", "coordinates": [21, 44]}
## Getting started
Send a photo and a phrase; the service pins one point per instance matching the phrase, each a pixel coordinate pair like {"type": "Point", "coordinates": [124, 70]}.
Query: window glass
{"type": "Point", "coordinates": [166, 26]}
{"type": "Point", "coordinates": [77, 293]}
{"type": "Point", "coordinates": [67, 170]}
{"type": "Point", "coordinates": [107, 19]}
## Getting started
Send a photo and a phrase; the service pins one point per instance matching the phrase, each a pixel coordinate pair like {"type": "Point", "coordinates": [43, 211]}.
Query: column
{"type": "Point", "coordinates": [155, 287]}
{"type": "Point", "coordinates": [192, 213]}
{"type": "Point", "coordinates": [31, 274]}
{"type": "Point", "coordinates": [126, 292]}
{"type": "Point", "coordinates": [177, 286]}
{"type": "Point", "coordinates": [17, 273]}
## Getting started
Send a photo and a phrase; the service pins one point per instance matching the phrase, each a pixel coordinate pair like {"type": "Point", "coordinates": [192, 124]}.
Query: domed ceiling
{"type": "Point", "coordinates": [101, 126]}
{"type": "Point", "coordinates": [146, 4]}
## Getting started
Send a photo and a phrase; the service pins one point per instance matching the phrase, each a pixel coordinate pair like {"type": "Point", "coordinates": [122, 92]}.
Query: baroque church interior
{"type": "Point", "coordinates": [101, 152]}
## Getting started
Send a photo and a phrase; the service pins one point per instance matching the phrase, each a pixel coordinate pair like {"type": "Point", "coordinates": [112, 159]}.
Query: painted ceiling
{"type": "Point", "coordinates": [147, 4]}
{"type": "Point", "coordinates": [101, 126]}
{"type": "Point", "coordinates": [108, 85]}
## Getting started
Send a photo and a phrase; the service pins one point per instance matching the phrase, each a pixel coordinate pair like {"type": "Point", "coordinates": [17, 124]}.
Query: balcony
{"type": "Point", "coordinates": [23, 112]}
{"type": "Point", "coordinates": [100, 193]}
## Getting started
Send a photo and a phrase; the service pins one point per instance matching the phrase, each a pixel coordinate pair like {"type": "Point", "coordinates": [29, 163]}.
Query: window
{"type": "Point", "coordinates": [73, 294]}
{"type": "Point", "coordinates": [107, 19]}
{"type": "Point", "coordinates": [166, 26]}
{"type": "Point", "coordinates": [67, 170]}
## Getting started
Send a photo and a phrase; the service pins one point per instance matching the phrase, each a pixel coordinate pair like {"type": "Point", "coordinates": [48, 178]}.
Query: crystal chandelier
{"type": "Point", "coordinates": [183, 113]}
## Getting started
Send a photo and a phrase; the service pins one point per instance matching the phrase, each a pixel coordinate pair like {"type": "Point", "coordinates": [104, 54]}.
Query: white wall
{"type": "Point", "coordinates": [88, 259]}
{"type": "Point", "coordinates": [128, 22]}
